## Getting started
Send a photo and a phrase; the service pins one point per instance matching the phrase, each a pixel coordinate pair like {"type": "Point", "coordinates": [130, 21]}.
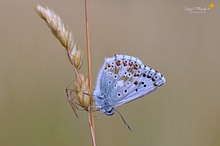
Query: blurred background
{"type": "Point", "coordinates": [183, 46]}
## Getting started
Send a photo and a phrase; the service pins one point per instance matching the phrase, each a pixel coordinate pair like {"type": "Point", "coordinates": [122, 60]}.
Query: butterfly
{"type": "Point", "coordinates": [123, 79]}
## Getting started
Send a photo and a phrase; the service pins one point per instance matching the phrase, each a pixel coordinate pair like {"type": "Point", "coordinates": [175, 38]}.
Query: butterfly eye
{"type": "Point", "coordinates": [109, 112]}
{"type": "Point", "coordinates": [109, 82]}
{"type": "Point", "coordinates": [115, 76]}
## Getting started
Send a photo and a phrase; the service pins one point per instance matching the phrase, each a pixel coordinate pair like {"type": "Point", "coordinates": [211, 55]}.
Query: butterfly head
{"type": "Point", "coordinates": [109, 111]}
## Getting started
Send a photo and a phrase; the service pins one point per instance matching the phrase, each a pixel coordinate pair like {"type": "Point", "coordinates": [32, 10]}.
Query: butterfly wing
{"type": "Point", "coordinates": [123, 79]}
{"type": "Point", "coordinates": [149, 81]}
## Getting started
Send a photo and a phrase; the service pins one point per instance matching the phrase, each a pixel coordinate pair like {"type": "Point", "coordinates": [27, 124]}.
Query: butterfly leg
{"type": "Point", "coordinates": [72, 102]}
{"type": "Point", "coordinates": [72, 99]}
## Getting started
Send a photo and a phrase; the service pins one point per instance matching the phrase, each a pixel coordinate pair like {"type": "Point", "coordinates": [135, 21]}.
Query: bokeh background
{"type": "Point", "coordinates": [183, 46]}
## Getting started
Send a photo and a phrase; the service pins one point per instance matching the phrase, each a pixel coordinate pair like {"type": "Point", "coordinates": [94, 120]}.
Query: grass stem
{"type": "Point", "coordinates": [89, 73]}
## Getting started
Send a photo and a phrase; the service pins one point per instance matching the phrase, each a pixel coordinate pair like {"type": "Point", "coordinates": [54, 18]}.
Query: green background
{"type": "Point", "coordinates": [34, 72]}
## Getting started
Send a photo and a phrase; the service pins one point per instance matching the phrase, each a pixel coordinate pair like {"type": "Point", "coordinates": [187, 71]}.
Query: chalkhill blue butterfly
{"type": "Point", "coordinates": [123, 79]}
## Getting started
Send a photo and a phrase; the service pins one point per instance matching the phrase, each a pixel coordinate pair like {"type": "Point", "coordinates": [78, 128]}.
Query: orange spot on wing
{"type": "Point", "coordinates": [136, 82]}
{"type": "Point", "coordinates": [125, 64]}
{"type": "Point", "coordinates": [118, 63]}
{"type": "Point", "coordinates": [136, 75]}
{"type": "Point", "coordinates": [131, 63]}
{"type": "Point", "coordinates": [135, 66]}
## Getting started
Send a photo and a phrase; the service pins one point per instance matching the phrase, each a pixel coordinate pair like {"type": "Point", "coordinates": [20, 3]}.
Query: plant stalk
{"type": "Point", "coordinates": [89, 73]}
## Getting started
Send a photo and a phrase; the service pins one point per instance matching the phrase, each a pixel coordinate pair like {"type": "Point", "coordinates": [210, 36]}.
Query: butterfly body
{"type": "Point", "coordinates": [123, 79]}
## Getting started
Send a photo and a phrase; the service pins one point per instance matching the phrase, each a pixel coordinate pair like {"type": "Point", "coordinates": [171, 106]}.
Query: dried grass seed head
{"type": "Point", "coordinates": [81, 87]}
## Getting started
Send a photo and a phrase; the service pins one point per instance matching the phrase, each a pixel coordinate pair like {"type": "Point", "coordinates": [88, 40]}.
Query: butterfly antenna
{"type": "Point", "coordinates": [123, 120]}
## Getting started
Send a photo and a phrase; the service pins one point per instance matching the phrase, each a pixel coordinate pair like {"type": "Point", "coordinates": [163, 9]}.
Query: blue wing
{"type": "Point", "coordinates": [123, 79]}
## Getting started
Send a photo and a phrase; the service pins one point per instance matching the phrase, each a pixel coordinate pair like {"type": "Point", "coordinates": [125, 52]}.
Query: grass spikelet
{"type": "Point", "coordinates": [61, 32]}
{"type": "Point", "coordinates": [65, 37]}
{"type": "Point", "coordinates": [81, 86]}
